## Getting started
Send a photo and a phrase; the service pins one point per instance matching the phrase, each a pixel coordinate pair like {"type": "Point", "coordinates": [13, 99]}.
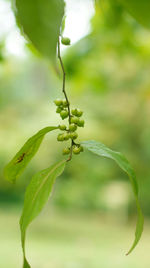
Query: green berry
{"type": "Point", "coordinates": [65, 41]}
{"type": "Point", "coordinates": [58, 102]}
{"type": "Point", "coordinates": [66, 151]}
{"type": "Point", "coordinates": [64, 114]}
{"type": "Point", "coordinates": [81, 149]}
{"type": "Point", "coordinates": [79, 113]}
{"type": "Point", "coordinates": [73, 135]}
{"type": "Point", "coordinates": [65, 103]}
{"type": "Point", "coordinates": [62, 127]}
{"type": "Point", "coordinates": [60, 137]}
{"type": "Point", "coordinates": [66, 136]}
{"type": "Point", "coordinates": [80, 123]}
{"type": "Point", "coordinates": [58, 110]}
{"type": "Point", "coordinates": [74, 111]}
{"type": "Point", "coordinates": [74, 120]}
{"type": "Point", "coordinates": [72, 127]}
{"type": "Point", "coordinates": [76, 150]}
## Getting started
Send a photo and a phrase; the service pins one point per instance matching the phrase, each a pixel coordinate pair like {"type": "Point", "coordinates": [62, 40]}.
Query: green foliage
{"type": "Point", "coordinates": [63, 24]}
{"type": "Point", "coordinates": [36, 196]}
{"type": "Point", "coordinates": [101, 150]}
{"type": "Point", "coordinates": [40, 22]}
{"type": "Point", "coordinates": [139, 9]}
{"type": "Point", "coordinates": [17, 165]}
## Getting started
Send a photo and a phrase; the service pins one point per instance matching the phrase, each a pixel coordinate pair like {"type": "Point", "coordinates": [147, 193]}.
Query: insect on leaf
{"type": "Point", "coordinates": [36, 196]}
{"type": "Point", "coordinates": [40, 22]}
{"type": "Point", "coordinates": [101, 150]}
{"type": "Point", "coordinates": [17, 165]}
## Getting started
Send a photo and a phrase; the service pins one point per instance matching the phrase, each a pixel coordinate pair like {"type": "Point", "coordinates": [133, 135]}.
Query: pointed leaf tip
{"type": "Point", "coordinates": [40, 21]}
{"type": "Point", "coordinates": [101, 150]}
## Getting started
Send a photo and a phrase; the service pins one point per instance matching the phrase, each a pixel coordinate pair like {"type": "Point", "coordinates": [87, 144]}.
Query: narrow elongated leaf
{"type": "Point", "coordinates": [40, 21]}
{"type": "Point", "coordinates": [101, 150]}
{"type": "Point", "coordinates": [139, 9]}
{"type": "Point", "coordinates": [17, 165]}
{"type": "Point", "coordinates": [36, 196]}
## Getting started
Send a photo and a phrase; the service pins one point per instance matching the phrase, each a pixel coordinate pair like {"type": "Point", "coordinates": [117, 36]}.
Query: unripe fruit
{"type": "Point", "coordinates": [64, 114]}
{"type": "Point", "coordinates": [58, 102]}
{"type": "Point", "coordinates": [81, 149]}
{"type": "Point", "coordinates": [66, 136]}
{"type": "Point", "coordinates": [72, 127]}
{"type": "Point", "coordinates": [65, 41]}
{"type": "Point", "coordinates": [75, 120]}
{"type": "Point", "coordinates": [81, 123]}
{"type": "Point", "coordinates": [76, 150]}
{"type": "Point", "coordinates": [62, 127]}
{"type": "Point", "coordinates": [60, 137]}
{"type": "Point", "coordinates": [58, 110]}
{"type": "Point", "coordinates": [66, 151]}
{"type": "Point", "coordinates": [79, 113]}
{"type": "Point", "coordinates": [65, 103]}
{"type": "Point", "coordinates": [74, 111]}
{"type": "Point", "coordinates": [73, 135]}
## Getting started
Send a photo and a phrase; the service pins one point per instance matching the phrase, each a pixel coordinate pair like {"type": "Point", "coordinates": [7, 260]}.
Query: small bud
{"type": "Point", "coordinates": [81, 123]}
{"type": "Point", "coordinates": [74, 120]}
{"type": "Point", "coordinates": [73, 135]}
{"type": "Point", "coordinates": [66, 136]}
{"type": "Point", "coordinates": [66, 151]}
{"type": "Point", "coordinates": [58, 110]}
{"type": "Point", "coordinates": [64, 114]}
{"type": "Point", "coordinates": [65, 103]}
{"type": "Point", "coordinates": [58, 102]}
{"type": "Point", "coordinates": [60, 137]}
{"type": "Point", "coordinates": [62, 127]}
{"type": "Point", "coordinates": [72, 127]}
{"type": "Point", "coordinates": [79, 113]}
{"type": "Point", "coordinates": [76, 150]}
{"type": "Point", "coordinates": [65, 41]}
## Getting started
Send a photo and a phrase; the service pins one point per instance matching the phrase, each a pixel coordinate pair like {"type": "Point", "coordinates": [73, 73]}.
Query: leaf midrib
{"type": "Point", "coordinates": [44, 181]}
{"type": "Point", "coordinates": [41, 185]}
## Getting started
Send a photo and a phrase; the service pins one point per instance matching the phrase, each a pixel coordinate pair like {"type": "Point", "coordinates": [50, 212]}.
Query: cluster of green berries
{"type": "Point", "coordinates": [76, 117]}
{"type": "Point", "coordinates": [77, 149]}
{"type": "Point", "coordinates": [62, 108]}
{"type": "Point", "coordinates": [74, 122]}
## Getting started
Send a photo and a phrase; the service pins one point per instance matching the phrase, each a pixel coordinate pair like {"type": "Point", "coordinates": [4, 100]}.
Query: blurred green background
{"type": "Point", "coordinates": [90, 219]}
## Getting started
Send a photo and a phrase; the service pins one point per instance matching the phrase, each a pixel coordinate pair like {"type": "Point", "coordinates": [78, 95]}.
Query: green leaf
{"type": "Point", "coordinates": [101, 150]}
{"type": "Point", "coordinates": [40, 22]}
{"type": "Point", "coordinates": [139, 9]}
{"type": "Point", "coordinates": [63, 25]}
{"type": "Point", "coordinates": [36, 196]}
{"type": "Point", "coordinates": [17, 165]}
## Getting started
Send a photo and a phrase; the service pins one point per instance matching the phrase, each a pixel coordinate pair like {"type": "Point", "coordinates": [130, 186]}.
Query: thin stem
{"type": "Point", "coordinates": [64, 81]}
{"type": "Point", "coordinates": [65, 94]}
